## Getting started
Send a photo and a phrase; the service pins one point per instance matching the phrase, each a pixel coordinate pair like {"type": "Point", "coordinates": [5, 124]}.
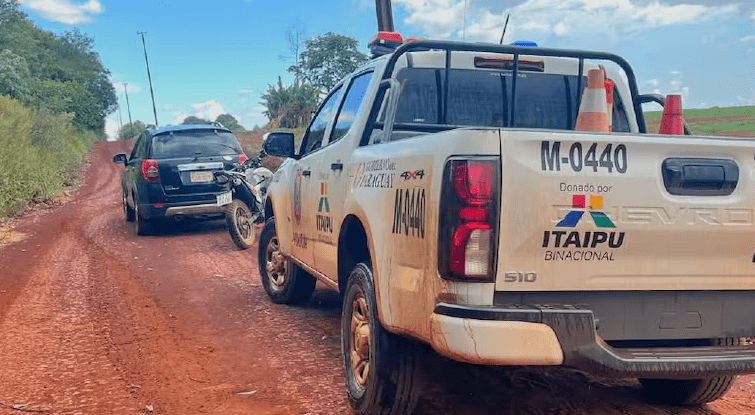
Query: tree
{"type": "Point", "coordinates": [230, 122]}
{"type": "Point", "coordinates": [191, 119]}
{"type": "Point", "coordinates": [14, 77]}
{"type": "Point", "coordinates": [326, 59]}
{"type": "Point", "coordinates": [131, 130]}
{"type": "Point", "coordinates": [294, 38]}
{"type": "Point", "coordinates": [290, 106]}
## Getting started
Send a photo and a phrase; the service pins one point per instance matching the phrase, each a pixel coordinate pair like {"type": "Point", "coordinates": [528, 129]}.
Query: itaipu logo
{"type": "Point", "coordinates": [600, 234]}
{"type": "Point", "coordinates": [574, 216]}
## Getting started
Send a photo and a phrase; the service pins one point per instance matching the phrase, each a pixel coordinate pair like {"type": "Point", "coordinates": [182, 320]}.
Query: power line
{"type": "Point", "coordinates": [125, 88]}
{"type": "Point", "coordinates": [151, 92]}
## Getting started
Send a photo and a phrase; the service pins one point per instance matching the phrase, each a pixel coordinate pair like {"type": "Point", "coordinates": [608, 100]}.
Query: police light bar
{"type": "Point", "coordinates": [385, 42]}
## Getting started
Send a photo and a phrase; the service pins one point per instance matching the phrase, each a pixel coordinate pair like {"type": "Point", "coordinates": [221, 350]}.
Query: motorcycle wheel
{"type": "Point", "coordinates": [240, 222]}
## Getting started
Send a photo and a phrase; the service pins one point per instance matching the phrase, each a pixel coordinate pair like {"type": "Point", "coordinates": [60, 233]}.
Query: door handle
{"type": "Point", "coordinates": [306, 172]}
{"type": "Point", "coordinates": [336, 166]}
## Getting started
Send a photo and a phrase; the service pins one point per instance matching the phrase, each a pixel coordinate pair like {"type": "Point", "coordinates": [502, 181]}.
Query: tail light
{"type": "Point", "coordinates": [242, 158]}
{"type": "Point", "coordinates": [469, 219]}
{"type": "Point", "coordinates": [150, 171]}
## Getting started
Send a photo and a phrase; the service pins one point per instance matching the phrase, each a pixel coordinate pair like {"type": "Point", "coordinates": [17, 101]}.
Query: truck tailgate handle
{"type": "Point", "coordinates": [700, 176]}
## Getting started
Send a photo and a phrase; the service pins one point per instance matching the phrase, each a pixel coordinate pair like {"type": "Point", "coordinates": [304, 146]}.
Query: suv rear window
{"type": "Point", "coordinates": [482, 98]}
{"type": "Point", "coordinates": [192, 143]}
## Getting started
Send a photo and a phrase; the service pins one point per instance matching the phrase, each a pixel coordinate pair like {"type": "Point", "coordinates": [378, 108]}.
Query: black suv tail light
{"type": "Point", "coordinates": [469, 211]}
{"type": "Point", "coordinates": [150, 171]}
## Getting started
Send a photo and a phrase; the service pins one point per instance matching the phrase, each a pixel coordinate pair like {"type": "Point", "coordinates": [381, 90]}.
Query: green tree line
{"type": "Point", "coordinates": [318, 68]}
{"type": "Point", "coordinates": [54, 97]}
{"type": "Point", "coordinates": [61, 74]}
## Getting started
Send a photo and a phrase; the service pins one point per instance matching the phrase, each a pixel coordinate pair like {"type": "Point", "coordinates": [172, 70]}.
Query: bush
{"type": "Point", "coordinates": [40, 153]}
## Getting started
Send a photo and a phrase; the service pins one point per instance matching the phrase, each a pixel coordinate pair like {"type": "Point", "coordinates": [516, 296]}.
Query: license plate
{"type": "Point", "coordinates": [201, 176]}
{"type": "Point", "coordinates": [224, 198]}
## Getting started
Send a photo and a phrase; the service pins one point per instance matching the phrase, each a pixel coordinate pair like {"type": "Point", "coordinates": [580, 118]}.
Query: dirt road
{"type": "Point", "coordinates": [95, 320]}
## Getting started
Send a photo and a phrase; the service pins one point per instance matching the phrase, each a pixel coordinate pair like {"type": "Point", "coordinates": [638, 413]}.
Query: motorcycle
{"type": "Point", "coordinates": [245, 195]}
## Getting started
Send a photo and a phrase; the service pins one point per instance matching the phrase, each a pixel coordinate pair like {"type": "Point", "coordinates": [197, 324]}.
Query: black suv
{"type": "Point", "coordinates": [170, 173]}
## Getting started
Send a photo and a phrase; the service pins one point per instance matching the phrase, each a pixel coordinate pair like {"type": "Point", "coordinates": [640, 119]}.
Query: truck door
{"type": "Point", "coordinates": [332, 175]}
{"type": "Point", "coordinates": [306, 198]}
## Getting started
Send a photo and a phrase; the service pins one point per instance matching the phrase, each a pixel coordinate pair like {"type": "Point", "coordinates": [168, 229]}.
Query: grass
{"type": "Point", "coordinates": [738, 121]}
{"type": "Point", "coordinates": [40, 154]}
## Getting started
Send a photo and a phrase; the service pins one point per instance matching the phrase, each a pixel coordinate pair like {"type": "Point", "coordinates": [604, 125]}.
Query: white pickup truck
{"type": "Point", "coordinates": [443, 190]}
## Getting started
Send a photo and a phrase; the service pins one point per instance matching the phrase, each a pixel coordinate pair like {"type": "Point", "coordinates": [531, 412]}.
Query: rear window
{"type": "Point", "coordinates": [483, 98]}
{"type": "Point", "coordinates": [192, 143]}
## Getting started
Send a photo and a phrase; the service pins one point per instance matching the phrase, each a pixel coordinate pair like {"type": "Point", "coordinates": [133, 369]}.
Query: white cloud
{"type": "Point", "coordinates": [543, 18]}
{"type": "Point", "coordinates": [65, 11]}
{"type": "Point", "coordinates": [131, 87]}
{"type": "Point", "coordinates": [208, 110]}
{"type": "Point", "coordinates": [255, 117]}
{"type": "Point", "coordinates": [747, 38]}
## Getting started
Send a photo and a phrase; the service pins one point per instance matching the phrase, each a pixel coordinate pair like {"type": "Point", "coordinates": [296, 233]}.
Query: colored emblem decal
{"type": "Point", "coordinates": [580, 202]}
{"type": "Point", "coordinates": [297, 197]}
{"type": "Point", "coordinates": [323, 206]}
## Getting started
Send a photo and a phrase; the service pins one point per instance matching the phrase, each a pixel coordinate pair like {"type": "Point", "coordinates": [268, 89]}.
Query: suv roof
{"type": "Point", "coordinates": [184, 127]}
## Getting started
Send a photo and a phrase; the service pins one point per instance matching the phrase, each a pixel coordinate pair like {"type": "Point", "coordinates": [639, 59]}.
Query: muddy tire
{"type": "Point", "coordinates": [284, 281]}
{"type": "Point", "coordinates": [381, 369]}
{"type": "Point", "coordinates": [688, 391]}
{"type": "Point", "coordinates": [142, 226]}
{"type": "Point", "coordinates": [691, 391]}
{"type": "Point", "coordinates": [240, 222]}
{"type": "Point", "coordinates": [128, 211]}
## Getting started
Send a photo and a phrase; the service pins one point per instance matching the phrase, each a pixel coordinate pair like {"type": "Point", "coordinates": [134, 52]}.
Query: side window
{"type": "Point", "coordinates": [141, 151]}
{"type": "Point", "coordinates": [135, 150]}
{"type": "Point", "coordinates": [351, 105]}
{"type": "Point", "coordinates": [313, 140]}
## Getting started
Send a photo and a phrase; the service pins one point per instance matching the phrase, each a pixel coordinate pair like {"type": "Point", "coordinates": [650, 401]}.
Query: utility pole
{"type": "Point", "coordinates": [120, 121]}
{"type": "Point", "coordinates": [125, 88]}
{"type": "Point", "coordinates": [154, 109]}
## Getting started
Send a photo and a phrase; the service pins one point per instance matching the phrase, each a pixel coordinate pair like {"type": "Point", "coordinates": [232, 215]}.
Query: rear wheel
{"type": "Point", "coordinates": [240, 222]}
{"type": "Point", "coordinates": [284, 281]}
{"type": "Point", "coordinates": [687, 391]}
{"type": "Point", "coordinates": [143, 226]}
{"type": "Point", "coordinates": [381, 369]}
{"type": "Point", "coordinates": [691, 391]}
{"type": "Point", "coordinates": [128, 211]}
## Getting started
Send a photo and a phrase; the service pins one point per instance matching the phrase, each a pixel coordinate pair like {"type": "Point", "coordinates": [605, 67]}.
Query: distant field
{"type": "Point", "coordinates": [733, 121]}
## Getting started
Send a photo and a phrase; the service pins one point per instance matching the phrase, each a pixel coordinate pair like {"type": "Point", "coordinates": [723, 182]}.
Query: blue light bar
{"type": "Point", "coordinates": [524, 43]}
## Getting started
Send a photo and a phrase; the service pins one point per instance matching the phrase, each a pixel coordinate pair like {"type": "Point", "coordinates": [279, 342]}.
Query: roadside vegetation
{"type": "Point", "coordinates": [736, 121]}
{"type": "Point", "coordinates": [54, 97]}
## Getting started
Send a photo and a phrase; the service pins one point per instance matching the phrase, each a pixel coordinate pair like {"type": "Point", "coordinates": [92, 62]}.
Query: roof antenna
{"type": "Point", "coordinates": [505, 25]}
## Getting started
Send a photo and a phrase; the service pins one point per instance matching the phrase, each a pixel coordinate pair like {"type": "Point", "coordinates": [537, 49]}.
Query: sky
{"type": "Point", "coordinates": [210, 58]}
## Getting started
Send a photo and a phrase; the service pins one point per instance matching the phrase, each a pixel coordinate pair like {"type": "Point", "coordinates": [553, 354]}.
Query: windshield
{"type": "Point", "coordinates": [483, 98]}
{"type": "Point", "coordinates": [192, 143]}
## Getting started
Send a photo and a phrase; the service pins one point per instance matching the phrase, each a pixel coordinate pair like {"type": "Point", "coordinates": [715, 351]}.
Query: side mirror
{"type": "Point", "coordinates": [120, 158]}
{"type": "Point", "coordinates": [279, 144]}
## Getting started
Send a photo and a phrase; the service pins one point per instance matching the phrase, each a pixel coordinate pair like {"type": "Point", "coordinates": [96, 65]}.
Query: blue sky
{"type": "Point", "coordinates": [210, 58]}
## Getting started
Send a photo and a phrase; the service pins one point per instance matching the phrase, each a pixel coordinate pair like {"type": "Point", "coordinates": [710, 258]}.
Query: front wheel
{"type": "Point", "coordinates": [283, 281]}
{"type": "Point", "coordinates": [381, 369]}
{"type": "Point", "coordinates": [240, 224]}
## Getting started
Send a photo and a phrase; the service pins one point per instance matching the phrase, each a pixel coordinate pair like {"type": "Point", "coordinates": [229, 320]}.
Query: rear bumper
{"type": "Point", "coordinates": [172, 210]}
{"type": "Point", "coordinates": [532, 335]}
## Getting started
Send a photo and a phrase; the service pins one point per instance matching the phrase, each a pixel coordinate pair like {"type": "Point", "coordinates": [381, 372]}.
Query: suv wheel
{"type": "Point", "coordinates": [128, 211]}
{"type": "Point", "coordinates": [381, 369]}
{"type": "Point", "coordinates": [143, 226]}
{"type": "Point", "coordinates": [284, 281]}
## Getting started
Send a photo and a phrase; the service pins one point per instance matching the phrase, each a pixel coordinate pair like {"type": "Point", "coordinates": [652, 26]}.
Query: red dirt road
{"type": "Point", "coordinates": [95, 320]}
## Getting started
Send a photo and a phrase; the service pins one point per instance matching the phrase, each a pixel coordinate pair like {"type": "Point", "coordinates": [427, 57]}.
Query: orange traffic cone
{"type": "Point", "coordinates": [609, 102]}
{"type": "Point", "coordinates": [672, 122]}
{"type": "Point", "coordinates": [592, 110]}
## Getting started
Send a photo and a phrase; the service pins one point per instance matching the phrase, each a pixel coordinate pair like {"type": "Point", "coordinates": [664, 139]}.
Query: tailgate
{"type": "Point", "coordinates": [191, 176]}
{"type": "Point", "coordinates": [595, 212]}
